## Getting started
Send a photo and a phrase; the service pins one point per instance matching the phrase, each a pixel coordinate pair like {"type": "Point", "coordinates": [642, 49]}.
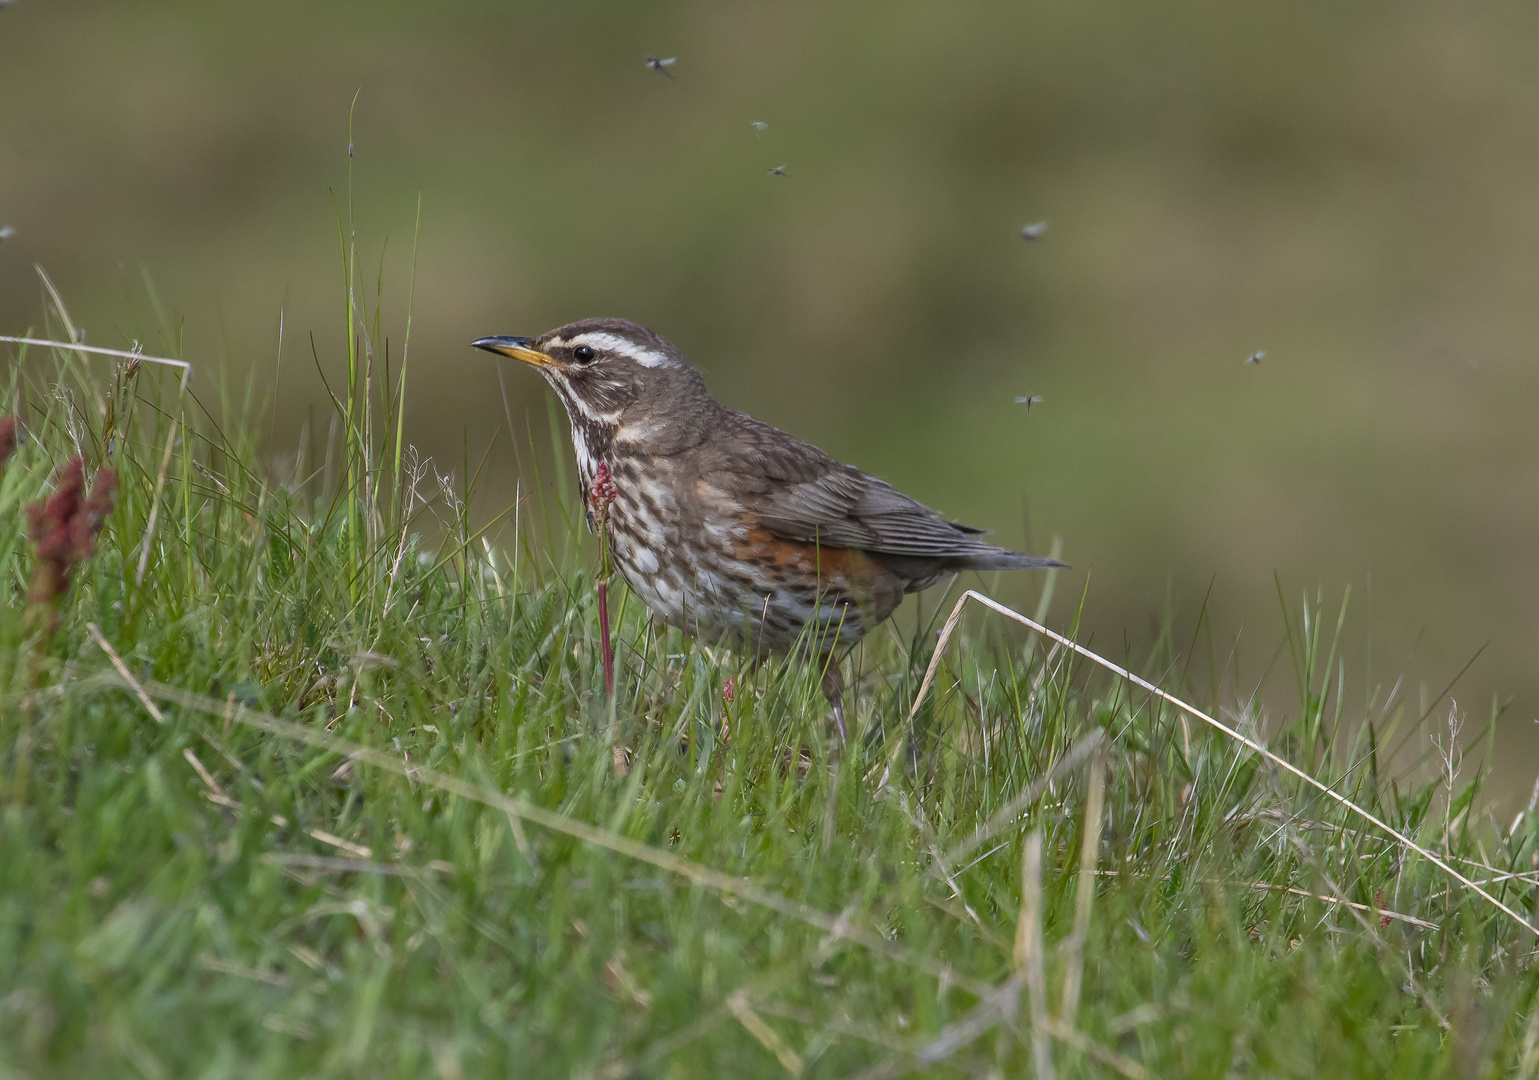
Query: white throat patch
{"type": "Point", "coordinates": [614, 343]}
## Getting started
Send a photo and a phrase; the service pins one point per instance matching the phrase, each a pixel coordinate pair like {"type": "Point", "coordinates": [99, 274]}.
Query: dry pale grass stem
{"type": "Point", "coordinates": [1085, 895]}
{"type": "Point", "coordinates": [1028, 954]}
{"type": "Point", "coordinates": [742, 1008]}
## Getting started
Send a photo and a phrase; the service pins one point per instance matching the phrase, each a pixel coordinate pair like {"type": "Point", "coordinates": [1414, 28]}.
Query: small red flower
{"type": "Point", "coordinates": [728, 689]}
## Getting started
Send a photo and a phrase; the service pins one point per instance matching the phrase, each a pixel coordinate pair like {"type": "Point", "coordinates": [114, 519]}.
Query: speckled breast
{"type": "Point", "coordinates": [700, 562]}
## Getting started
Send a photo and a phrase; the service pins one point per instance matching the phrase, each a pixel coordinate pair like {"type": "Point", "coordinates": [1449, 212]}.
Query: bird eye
{"type": "Point", "coordinates": [584, 354]}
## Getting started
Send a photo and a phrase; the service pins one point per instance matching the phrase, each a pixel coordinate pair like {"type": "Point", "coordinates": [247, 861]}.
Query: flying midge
{"type": "Point", "coordinates": [1034, 231]}
{"type": "Point", "coordinates": [7, 231]}
{"type": "Point", "coordinates": [1256, 357]}
{"type": "Point", "coordinates": [1034, 399]}
{"type": "Point", "coordinates": [779, 170]}
{"type": "Point", "coordinates": [662, 66]}
{"type": "Point", "coordinates": [759, 126]}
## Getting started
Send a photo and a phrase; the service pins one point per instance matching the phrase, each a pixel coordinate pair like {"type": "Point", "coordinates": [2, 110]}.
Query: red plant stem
{"type": "Point", "coordinates": [607, 650]}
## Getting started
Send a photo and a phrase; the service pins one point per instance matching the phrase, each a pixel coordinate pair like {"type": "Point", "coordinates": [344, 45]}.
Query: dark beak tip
{"type": "Point", "coordinates": [495, 344]}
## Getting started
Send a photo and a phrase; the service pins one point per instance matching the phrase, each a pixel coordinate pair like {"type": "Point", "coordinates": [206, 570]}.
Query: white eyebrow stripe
{"type": "Point", "coordinates": [616, 344]}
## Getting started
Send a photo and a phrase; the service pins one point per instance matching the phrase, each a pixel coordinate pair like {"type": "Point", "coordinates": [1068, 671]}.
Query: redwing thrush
{"type": "Point", "coordinates": [731, 529]}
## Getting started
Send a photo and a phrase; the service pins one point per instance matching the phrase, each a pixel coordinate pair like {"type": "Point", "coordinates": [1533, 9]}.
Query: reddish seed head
{"type": "Point", "coordinates": [728, 689]}
{"type": "Point", "coordinates": [50, 525]}
{"type": "Point", "coordinates": [64, 527]}
{"type": "Point", "coordinates": [7, 437]}
{"type": "Point", "coordinates": [603, 491]}
{"type": "Point", "coordinates": [93, 513]}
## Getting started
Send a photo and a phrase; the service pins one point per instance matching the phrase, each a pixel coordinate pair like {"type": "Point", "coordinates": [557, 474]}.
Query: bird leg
{"type": "Point", "coordinates": [833, 690]}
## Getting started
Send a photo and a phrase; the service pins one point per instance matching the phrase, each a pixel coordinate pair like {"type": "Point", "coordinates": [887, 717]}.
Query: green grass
{"type": "Point", "coordinates": [413, 853]}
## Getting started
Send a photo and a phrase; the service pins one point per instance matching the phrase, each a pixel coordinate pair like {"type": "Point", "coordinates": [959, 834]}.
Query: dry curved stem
{"type": "Point", "coordinates": [1280, 762]}
{"type": "Point", "coordinates": [98, 351]}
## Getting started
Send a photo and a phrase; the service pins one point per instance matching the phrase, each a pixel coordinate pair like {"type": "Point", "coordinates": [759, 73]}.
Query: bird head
{"type": "Point", "coordinates": [618, 380]}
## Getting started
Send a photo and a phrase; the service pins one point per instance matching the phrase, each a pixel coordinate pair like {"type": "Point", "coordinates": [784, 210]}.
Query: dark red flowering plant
{"type": "Point", "coordinates": [64, 527]}
{"type": "Point", "coordinates": [7, 438]}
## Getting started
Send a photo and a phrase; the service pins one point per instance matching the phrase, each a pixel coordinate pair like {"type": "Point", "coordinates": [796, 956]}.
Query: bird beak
{"type": "Point", "coordinates": [516, 347]}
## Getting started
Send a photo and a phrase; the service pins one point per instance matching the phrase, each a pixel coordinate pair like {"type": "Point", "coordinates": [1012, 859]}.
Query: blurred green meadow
{"type": "Point", "coordinates": [1350, 188]}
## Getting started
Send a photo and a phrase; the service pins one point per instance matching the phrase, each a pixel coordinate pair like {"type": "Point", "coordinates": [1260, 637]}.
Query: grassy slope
{"type": "Point", "coordinates": [145, 927]}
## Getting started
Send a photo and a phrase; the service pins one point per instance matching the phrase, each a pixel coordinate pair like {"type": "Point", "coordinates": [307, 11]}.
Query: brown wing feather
{"type": "Point", "coordinates": [797, 491]}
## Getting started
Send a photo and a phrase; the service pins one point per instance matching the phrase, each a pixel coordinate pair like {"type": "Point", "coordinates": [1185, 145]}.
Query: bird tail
{"type": "Point", "coordinates": [1003, 559]}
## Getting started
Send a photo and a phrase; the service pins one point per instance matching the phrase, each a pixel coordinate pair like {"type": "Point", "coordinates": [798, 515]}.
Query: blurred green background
{"type": "Point", "coordinates": [1353, 188]}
